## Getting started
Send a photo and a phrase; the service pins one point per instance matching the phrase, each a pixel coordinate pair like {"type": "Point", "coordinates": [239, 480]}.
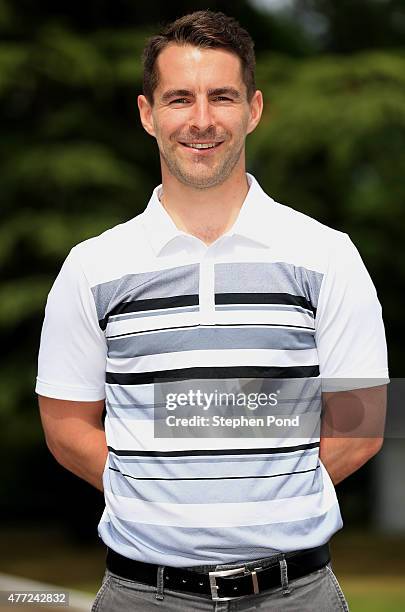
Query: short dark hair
{"type": "Point", "coordinates": [204, 29]}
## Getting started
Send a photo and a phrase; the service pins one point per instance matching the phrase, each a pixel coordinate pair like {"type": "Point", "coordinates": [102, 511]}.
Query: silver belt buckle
{"type": "Point", "coordinates": [231, 572]}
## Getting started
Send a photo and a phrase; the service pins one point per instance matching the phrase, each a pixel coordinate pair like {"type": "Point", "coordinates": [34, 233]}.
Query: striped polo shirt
{"type": "Point", "coordinates": [278, 296]}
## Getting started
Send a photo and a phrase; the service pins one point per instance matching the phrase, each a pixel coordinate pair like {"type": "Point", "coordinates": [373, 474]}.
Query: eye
{"type": "Point", "coordinates": [222, 99]}
{"type": "Point", "coordinates": [179, 101]}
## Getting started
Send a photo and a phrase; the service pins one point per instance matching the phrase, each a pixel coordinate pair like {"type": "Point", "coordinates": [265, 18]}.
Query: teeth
{"type": "Point", "coordinates": [199, 145]}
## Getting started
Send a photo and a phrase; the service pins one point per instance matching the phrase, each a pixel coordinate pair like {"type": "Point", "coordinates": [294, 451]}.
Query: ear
{"type": "Point", "coordinates": [256, 109]}
{"type": "Point", "coordinates": [145, 112]}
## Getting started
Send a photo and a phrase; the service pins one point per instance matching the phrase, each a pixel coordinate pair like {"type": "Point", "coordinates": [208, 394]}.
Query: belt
{"type": "Point", "coordinates": [225, 584]}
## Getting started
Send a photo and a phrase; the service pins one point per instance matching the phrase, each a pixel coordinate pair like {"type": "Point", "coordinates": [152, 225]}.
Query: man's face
{"type": "Point", "coordinates": [200, 116]}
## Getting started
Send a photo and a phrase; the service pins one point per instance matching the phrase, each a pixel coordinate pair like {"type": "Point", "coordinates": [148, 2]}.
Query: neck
{"type": "Point", "coordinates": [204, 213]}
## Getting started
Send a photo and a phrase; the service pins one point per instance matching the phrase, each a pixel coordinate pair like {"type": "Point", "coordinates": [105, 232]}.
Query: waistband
{"type": "Point", "coordinates": [226, 581]}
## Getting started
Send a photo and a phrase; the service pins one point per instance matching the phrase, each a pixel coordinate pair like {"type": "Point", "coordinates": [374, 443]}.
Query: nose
{"type": "Point", "coordinates": [202, 118]}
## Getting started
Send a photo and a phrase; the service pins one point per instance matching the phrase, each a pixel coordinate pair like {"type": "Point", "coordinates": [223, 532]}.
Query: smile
{"type": "Point", "coordinates": [201, 145]}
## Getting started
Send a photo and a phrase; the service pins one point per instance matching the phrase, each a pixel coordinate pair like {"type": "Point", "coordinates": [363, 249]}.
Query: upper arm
{"type": "Point", "coordinates": [356, 413]}
{"type": "Point", "coordinates": [63, 419]}
{"type": "Point", "coordinates": [350, 334]}
{"type": "Point", "coordinates": [73, 350]}
{"type": "Point", "coordinates": [352, 351]}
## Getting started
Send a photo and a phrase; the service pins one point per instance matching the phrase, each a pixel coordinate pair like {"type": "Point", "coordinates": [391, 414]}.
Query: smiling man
{"type": "Point", "coordinates": [200, 112]}
{"type": "Point", "coordinates": [200, 151]}
{"type": "Point", "coordinates": [213, 282]}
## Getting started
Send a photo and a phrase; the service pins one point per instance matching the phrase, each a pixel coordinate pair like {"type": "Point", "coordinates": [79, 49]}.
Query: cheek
{"type": "Point", "coordinates": [236, 123]}
{"type": "Point", "coordinates": [245, 121]}
{"type": "Point", "coordinates": [168, 127]}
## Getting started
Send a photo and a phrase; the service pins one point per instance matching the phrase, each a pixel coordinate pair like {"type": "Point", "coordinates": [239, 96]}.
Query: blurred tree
{"type": "Point", "coordinates": [351, 25]}
{"type": "Point", "coordinates": [270, 32]}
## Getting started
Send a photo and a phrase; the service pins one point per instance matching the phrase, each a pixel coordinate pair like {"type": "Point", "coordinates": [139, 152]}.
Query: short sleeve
{"type": "Point", "coordinates": [350, 333]}
{"type": "Point", "coordinates": [72, 354]}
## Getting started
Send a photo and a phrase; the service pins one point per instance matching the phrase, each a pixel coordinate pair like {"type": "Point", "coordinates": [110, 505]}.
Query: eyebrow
{"type": "Point", "coordinates": [182, 93]}
{"type": "Point", "coordinates": [175, 93]}
{"type": "Point", "coordinates": [225, 91]}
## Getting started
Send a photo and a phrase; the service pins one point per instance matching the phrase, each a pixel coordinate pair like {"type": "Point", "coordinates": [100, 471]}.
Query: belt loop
{"type": "Point", "coordinates": [284, 576]}
{"type": "Point", "coordinates": [160, 582]}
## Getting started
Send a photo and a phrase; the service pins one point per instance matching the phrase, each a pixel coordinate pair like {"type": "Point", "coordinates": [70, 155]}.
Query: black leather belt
{"type": "Point", "coordinates": [221, 585]}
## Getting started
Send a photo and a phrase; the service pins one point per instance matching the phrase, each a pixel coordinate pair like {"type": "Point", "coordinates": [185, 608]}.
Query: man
{"type": "Point", "coordinates": [213, 281]}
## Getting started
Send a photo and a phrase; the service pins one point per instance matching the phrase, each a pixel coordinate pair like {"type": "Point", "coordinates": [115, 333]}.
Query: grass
{"type": "Point", "coordinates": [371, 570]}
{"type": "Point", "coordinates": [372, 594]}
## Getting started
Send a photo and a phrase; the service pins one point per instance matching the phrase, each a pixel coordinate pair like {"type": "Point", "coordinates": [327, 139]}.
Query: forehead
{"type": "Point", "coordinates": [189, 67]}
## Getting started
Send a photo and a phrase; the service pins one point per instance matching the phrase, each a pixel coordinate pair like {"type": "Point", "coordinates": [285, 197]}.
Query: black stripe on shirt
{"type": "Point", "coordinates": [219, 477]}
{"type": "Point", "coordinates": [213, 451]}
{"type": "Point", "coordinates": [230, 325]}
{"type": "Point", "coordinates": [174, 301]}
{"type": "Point", "coordinates": [264, 298]}
{"type": "Point", "coordinates": [209, 373]}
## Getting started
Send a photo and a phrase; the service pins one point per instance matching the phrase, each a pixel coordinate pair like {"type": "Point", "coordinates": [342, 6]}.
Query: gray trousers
{"type": "Point", "coordinates": [316, 592]}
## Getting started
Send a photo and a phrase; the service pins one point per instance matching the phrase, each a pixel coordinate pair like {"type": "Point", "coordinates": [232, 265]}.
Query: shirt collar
{"type": "Point", "coordinates": [252, 221]}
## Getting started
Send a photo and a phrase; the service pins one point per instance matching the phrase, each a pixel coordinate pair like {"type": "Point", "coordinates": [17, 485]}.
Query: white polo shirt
{"type": "Point", "coordinates": [278, 296]}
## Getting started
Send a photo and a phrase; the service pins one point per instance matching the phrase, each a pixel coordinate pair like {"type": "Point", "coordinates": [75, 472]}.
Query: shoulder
{"type": "Point", "coordinates": [300, 226]}
{"type": "Point", "coordinates": [107, 255]}
{"type": "Point", "coordinates": [303, 238]}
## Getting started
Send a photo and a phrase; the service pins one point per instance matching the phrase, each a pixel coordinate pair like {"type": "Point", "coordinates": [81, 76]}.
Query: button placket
{"type": "Point", "coordinates": [207, 289]}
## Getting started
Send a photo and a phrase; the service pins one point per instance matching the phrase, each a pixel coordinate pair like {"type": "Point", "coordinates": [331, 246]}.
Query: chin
{"type": "Point", "coordinates": [204, 183]}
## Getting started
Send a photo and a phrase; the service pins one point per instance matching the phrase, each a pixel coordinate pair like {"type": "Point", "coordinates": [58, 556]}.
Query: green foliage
{"type": "Point", "coordinates": [348, 26]}
{"type": "Point", "coordinates": [337, 125]}
{"type": "Point", "coordinates": [70, 166]}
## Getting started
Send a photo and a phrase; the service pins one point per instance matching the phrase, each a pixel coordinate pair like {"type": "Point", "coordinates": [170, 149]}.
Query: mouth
{"type": "Point", "coordinates": [201, 146]}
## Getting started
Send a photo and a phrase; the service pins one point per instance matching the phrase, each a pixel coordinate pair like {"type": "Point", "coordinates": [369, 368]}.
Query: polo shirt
{"type": "Point", "coordinates": [278, 296]}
